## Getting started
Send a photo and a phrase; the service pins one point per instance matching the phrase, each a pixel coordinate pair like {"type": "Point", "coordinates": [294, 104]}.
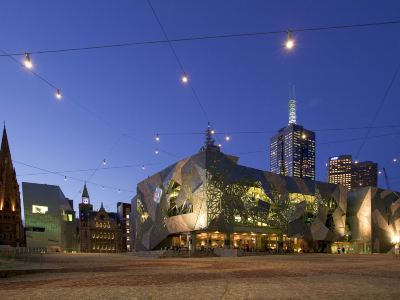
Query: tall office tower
{"type": "Point", "coordinates": [292, 149]}
{"type": "Point", "coordinates": [123, 214]}
{"type": "Point", "coordinates": [340, 170]}
{"type": "Point", "coordinates": [364, 174]}
{"type": "Point", "coordinates": [11, 228]}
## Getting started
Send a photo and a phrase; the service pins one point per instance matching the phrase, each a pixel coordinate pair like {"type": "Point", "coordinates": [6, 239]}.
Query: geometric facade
{"type": "Point", "coordinates": [49, 218]}
{"type": "Point", "coordinates": [209, 201]}
{"type": "Point", "coordinates": [373, 219]}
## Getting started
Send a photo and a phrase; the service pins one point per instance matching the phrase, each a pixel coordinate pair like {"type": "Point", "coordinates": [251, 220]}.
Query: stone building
{"type": "Point", "coordinates": [99, 231]}
{"type": "Point", "coordinates": [11, 228]}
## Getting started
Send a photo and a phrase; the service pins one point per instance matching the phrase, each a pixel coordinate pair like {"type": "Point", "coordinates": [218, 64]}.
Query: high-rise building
{"type": "Point", "coordinates": [11, 228]}
{"type": "Point", "coordinates": [49, 218]}
{"type": "Point", "coordinates": [364, 173]}
{"type": "Point", "coordinates": [292, 150]}
{"type": "Point", "coordinates": [123, 212]}
{"type": "Point", "coordinates": [340, 170]}
{"type": "Point", "coordinates": [99, 231]}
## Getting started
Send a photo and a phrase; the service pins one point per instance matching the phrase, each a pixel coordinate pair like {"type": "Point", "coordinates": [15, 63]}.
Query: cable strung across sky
{"type": "Point", "coordinates": [205, 37]}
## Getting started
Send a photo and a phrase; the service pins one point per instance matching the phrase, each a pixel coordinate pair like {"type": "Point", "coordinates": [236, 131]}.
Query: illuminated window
{"type": "Point", "coordinates": [38, 209]}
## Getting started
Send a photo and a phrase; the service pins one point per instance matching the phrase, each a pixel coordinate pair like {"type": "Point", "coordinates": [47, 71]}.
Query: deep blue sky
{"type": "Point", "coordinates": [340, 79]}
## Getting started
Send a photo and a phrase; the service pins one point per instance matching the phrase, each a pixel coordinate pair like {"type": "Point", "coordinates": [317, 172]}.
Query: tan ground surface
{"type": "Point", "coordinates": [312, 276]}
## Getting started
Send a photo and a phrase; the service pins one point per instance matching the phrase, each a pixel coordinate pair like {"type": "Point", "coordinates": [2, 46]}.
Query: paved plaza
{"type": "Point", "coordinates": [112, 276]}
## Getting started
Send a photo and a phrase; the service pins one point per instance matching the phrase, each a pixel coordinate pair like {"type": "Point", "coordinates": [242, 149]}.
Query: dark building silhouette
{"type": "Point", "coordinates": [292, 149]}
{"type": "Point", "coordinates": [364, 173]}
{"type": "Point", "coordinates": [11, 228]}
{"type": "Point", "coordinates": [123, 212]}
{"type": "Point", "coordinates": [99, 231]}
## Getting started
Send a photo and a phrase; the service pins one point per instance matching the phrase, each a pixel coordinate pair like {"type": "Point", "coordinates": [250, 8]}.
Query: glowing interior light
{"type": "Point", "coordinates": [185, 78]}
{"type": "Point", "coordinates": [289, 44]}
{"type": "Point", "coordinates": [303, 136]}
{"type": "Point", "coordinates": [58, 94]}
{"type": "Point", "coordinates": [28, 63]}
{"type": "Point", "coordinates": [157, 137]}
{"type": "Point", "coordinates": [227, 138]}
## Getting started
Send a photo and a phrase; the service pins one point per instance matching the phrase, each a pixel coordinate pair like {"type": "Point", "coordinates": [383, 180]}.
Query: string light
{"type": "Point", "coordinates": [143, 167]}
{"type": "Point", "coordinates": [58, 94]}
{"type": "Point", "coordinates": [157, 137]}
{"type": "Point", "coordinates": [227, 138]}
{"type": "Point", "coordinates": [394, 160]}
{"type": "Point", "coordinates": [184, 79]}
{"type": "Point", "coordinates": [102, 188]}
{"type": "Point", "coordinates": [27, 62]}
{"type": "Point", "coordinates": [65, 178]}
{"type": "Point", "coordinates": [119, 191]}
{"type": "Point", "coordinates": [289, 44]}
{"type": "Point", "coordinates": [219, 145]}
{"type": "Point", "coordinates": [104, 162]}
{"type": "Point", "coordinates": [212, 131]}
{"type": "Point", "coordinates": [380, 172]}
{"type": "Point", "coordinates": [156, 151]}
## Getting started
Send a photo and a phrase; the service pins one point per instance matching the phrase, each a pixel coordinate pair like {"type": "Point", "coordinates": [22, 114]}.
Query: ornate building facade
{"type": "Point", "coordinates": [11, 228]}
{"type": "Point", "coordinates": [99, 231]}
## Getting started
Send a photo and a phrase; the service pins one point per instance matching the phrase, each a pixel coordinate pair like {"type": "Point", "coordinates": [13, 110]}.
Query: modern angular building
{"type": "Point", "coordinates": [11, 227]}
{"type": "Point", "coordinates": [49, 218]}
{"type": "Point", "coordinates": [208, 200]}
{"type": "Point", "coordinates": [292, 149]}
{"type": "Point", "coordinates": [99, 231]}
{"type": "Point", "coordinates": [364, 173]}
{"type": "Point", "coordinates": [373, 217]}
{"type": "Point", "coordinates": [340, 170]}
{"type": "Point", "coordinates": [123, 213]}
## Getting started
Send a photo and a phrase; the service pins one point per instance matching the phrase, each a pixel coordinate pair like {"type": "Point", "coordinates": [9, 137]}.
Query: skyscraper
{"type": "Point", "coordinates": [292, 150]}
{"type": "Point", "coordinates": [11, 228]}
{"type": "Point", "coordinates": [364, 174]}
{"type": "Point", "coordinates": [340, 170]}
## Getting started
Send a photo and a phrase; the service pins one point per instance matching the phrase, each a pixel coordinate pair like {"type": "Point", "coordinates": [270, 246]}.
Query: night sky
{"type": "Point", "coordinates": [116, 100]}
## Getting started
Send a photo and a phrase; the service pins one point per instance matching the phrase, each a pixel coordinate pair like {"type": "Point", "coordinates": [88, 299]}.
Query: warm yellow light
{"type": "Point", "coordinates": [289, 44]}
{"type": "Point", "coordinates": [303, 136]}
{"type": "Point", "coordinates": [395, 239]}
{"type": "Point", "coordinates": [184, 78]}
{"type": "Point", "coordinates": [28, 63]}
{"type": "Point", "coordinates": [58, 94]}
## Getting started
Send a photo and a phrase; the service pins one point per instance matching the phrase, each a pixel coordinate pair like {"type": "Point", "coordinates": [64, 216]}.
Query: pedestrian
{"type": "Point", "coordinates": [343, 251]}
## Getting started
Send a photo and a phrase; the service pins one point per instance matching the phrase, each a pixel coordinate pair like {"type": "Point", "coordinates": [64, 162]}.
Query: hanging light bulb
{"type": "Point", "coordinates": [212, 131]}
{"type": "Point", "coordinates": [219, 145]}
{"type": "Point", "coordinates": [104, 162]}
{"type": "Point", "coordinates": [102, 188]}
{"type": "Point", "coordinates": [227, 138]}
{"type": "Point", "coordinates": [119, 190]}
{"type": "Point", "coordinates": [184, 79]}
{"type": "Point", "coordinates": [58, 94]}
{"type": "Point", "coordinates": [157, 137]}
{"type": "Point", "coordinates": [156, 151]}
{"type": "Point", "coordinates": [289, 44]}
{"type": "Point", "coordinates": [379, 172]}
{"type": "Point", "coordinates": [143, 167]}
{"type": "Point", "coordinates": [394, 159]}
{"type": "Point", "coordinates": [27, 62]}
{"type": "Point", "coordinates": [65, 178]}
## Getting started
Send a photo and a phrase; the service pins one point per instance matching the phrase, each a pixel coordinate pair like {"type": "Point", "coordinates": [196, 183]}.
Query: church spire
{"type": "Point", "coordinates": [292, 105]}
{"type": "Point", "coordinates": [5, 148]}
{"type": "Point", "coordinates": [85, 195]}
